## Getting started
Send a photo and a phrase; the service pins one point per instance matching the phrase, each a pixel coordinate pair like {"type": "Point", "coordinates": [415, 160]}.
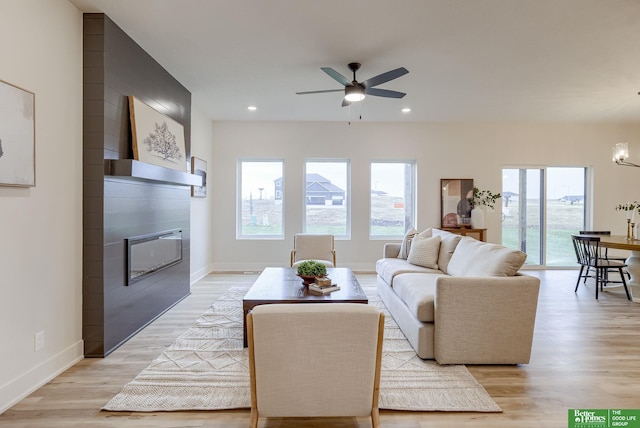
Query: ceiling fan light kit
{"type": "Point", "coordinates": [355, 91]}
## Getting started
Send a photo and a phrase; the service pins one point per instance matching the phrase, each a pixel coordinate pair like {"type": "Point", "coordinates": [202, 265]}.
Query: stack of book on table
{"type": "Point", "coordinates": [323, 286]}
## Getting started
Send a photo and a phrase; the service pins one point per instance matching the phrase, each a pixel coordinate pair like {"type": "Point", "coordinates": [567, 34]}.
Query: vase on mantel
{"type": "Point", "coordinates": [477, 218]}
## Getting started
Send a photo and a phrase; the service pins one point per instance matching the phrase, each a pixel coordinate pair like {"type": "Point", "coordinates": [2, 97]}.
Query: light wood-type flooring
{"type": "Point", "coordinates": [586, 354]}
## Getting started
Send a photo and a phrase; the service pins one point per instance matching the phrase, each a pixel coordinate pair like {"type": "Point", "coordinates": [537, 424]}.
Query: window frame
{"type": "Point", "coordinates": [239, 199]}
{"type": "Point", "coordinates": [347, 199]}
{"type": "Point", "coordinates": [413, 197]}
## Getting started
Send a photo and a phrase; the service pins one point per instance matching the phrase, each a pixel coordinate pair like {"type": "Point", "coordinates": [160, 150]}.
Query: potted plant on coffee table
{"type": "Point", "coordinates": [309, 270]}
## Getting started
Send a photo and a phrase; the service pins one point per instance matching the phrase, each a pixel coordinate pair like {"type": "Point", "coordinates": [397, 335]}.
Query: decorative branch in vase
{"type": "Point", "coordinates": [630, 209]}
{"type": "Point", "coordinates": [481, 198]}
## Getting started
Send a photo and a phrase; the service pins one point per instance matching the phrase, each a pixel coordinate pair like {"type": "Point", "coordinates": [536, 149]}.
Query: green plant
{"type": "Point", "coordinates": [483, 197]}
{"type": "Point", "coordinates": [629, 206]}
{"type": "Point", "coordinates": [311, 268]}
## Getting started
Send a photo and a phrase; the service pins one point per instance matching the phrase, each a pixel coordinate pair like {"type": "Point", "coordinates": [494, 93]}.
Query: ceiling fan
{"type": "Point", "coordinates": [355, 91]}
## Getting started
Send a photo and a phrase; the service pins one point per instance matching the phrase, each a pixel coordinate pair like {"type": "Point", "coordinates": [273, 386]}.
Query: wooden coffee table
{"type": "Point", "coordinates": [282, 285]}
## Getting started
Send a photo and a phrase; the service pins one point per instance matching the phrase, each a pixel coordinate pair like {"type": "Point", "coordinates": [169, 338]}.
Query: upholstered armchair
{"type": "Point", "coordinates": [308, 246]}
{"type": "Point", "coordinates": [315, 360]}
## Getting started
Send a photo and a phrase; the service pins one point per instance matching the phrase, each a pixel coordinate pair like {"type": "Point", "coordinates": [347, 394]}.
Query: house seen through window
{"type": "Point", "coordinates": [326, 198]}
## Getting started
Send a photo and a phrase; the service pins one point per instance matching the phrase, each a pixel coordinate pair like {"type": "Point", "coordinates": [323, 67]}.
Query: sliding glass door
{"type": "Point", "coordinates": [541, 208]}
{"type": "Point", "coordinates": [522, 191]}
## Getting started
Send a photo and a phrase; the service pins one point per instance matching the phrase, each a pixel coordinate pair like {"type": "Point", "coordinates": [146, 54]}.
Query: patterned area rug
{"type": "Point", "coordinates": [206, 368]}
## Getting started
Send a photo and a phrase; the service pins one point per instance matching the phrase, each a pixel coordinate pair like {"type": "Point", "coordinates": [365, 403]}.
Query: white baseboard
{"type": "Point", "coordinates": [199, 274]}
{"type": "Point", "coordinates": [259, 267]}
{"type": "Point", "coordinates": [19, 388]}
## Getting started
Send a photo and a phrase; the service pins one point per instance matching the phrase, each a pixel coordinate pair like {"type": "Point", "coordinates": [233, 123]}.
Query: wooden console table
{"type": "Point", "coordinates": [479, 234]}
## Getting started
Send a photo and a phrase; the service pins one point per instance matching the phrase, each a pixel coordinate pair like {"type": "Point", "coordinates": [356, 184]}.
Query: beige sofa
{"type": "Point", "coordinates": [459, 300]}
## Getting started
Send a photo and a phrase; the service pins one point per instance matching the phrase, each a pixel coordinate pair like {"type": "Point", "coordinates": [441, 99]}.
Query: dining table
{"type": "Point", "coordinates": [621, 242]}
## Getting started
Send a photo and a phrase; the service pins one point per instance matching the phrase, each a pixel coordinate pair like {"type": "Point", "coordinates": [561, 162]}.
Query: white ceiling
{"type": "Point", "coordinates": [473, 60]}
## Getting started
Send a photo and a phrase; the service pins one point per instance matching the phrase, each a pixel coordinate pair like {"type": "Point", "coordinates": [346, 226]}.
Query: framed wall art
{"type": "Point", "coordinates": [199, 167]}
{"type": "Point", "coordinates": [17, 136]}
{"type": "Point", "coordinates": [455, 209]}
{"type": "Point", "coordinates": [157, 139]}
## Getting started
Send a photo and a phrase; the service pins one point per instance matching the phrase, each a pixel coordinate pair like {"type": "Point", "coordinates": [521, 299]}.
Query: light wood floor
{"type": "Point", "coordinates": [585, 355]}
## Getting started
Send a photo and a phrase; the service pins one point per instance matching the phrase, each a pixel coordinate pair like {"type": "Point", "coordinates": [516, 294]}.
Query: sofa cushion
{"type": "Point", "coordinates": [405, 247]}
{"type": "Point", "coordinates": [424, 251]}
{"type": "Point", "coordinates": [448, 243]}
{"type": "Point", "coordinates": [417, 291]}
{"type": "Point", "coordinates": [390, 267]}
{"type": "Point", "coordinates": [477, 258]}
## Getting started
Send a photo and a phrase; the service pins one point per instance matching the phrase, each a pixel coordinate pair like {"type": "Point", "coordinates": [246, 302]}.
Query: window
{"type": "Point", "coordinates": [566, 214]}
{"type": "Point", "coordinates": [541, 208]}
{"type": "Point", "coordinates": [392, 199]}
{"type": "Point", "coordinates": [260, 199]}
{"type": "Point", "coordinates": [327, 200]}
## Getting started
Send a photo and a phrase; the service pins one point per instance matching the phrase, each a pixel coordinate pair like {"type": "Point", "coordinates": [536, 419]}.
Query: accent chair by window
{"type": "Point", "coordinates": [308, 246]}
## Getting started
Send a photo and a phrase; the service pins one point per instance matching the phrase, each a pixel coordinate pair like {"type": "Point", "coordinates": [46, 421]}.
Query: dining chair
{"type": "Point", "coordinates": [606, 250]}
{"type": "Point", "coordinates": [315, 360]}
{"type": "Point", "coordinates": [590, 255]}
{"type": "Point", "coordinates": [308, 246]}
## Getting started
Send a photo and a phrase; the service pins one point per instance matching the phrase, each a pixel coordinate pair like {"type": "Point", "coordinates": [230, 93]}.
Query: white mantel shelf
{"type": "Point", "coordinates": [133, 169]}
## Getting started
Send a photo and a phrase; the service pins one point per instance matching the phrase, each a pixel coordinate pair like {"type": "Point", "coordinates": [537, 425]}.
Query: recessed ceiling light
{"type": "Point", "coordinates": [406, 110]}
{"type": "Point", "coordinates": [252, 108]}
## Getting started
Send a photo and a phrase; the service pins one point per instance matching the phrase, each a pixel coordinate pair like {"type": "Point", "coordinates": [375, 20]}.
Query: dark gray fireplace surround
{"type": "Point", "coordinates": [124, 198]}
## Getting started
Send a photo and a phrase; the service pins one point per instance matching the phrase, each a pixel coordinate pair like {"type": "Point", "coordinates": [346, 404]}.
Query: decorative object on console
{"type": "Point", "coordinates": [455, 209]}
{"type": "Point", "coordinates": [17, 136]}
{"type": "Point", "coordinates": [620, 153]}
{"type": "Point", "coordinates": [157, 139]}
{"type": "Point", "coordinates": [199, 167]}
{"type": "Point", "coordinates": [478, 200]}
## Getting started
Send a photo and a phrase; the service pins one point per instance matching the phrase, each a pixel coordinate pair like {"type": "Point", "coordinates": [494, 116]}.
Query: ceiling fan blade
{"type": "Point", "coordinates": [319, 92]}
{"type": "Point", "coordinates": [385, 77]}
{"type": "Point", "coordinates": [336, 76]}
{"type": "Point", "coordinates": [377, 92]}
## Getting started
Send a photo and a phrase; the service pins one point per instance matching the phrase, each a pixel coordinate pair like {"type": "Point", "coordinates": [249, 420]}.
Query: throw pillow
{"type": "Point", "coordinates": [427, 233]}
{"type": "Point", "coordinates": [424, 252]}
{"type": "Point", "coordinates": [447, 247]}
{"type": "Point", "coordinates": [476, 258]}
{"type": "Point", "coordinates": [406, 243]}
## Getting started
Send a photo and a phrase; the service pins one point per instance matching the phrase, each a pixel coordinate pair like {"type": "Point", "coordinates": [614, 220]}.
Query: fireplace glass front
{"type": "Point", "coordinates": [150, 253]}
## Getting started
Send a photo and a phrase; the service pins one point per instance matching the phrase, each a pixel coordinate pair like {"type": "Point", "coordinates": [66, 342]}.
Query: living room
{"type": "Point", "coordinates": [41, 249]}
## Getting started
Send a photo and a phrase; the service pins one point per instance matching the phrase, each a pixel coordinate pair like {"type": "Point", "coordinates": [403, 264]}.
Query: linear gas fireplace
{"type": "Point", "coordinates": [148, 254]}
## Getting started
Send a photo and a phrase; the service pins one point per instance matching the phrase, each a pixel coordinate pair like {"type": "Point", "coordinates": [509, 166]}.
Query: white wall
{"type": "Point", "coordinates": [41, 227]}
{"type": "Point", "coordinates": [446, 150]}
{"type": "Point", "coordinates": [202, 214]}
